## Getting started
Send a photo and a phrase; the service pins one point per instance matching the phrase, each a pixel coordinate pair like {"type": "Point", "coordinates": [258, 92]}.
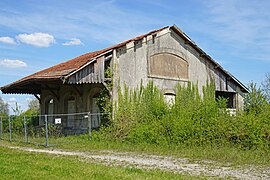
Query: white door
{"type": "Point", "coordinates": [95, 114]}
{"type": "Point", "coordinates": [71, 109]}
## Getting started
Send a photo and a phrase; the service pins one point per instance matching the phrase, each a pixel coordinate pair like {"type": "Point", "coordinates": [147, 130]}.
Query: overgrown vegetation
{"type": "Point", "coordinates": [266, 86]}
{"type": "Point", "coordinates": [255, 100]}
{"type": "Point", "coordinates": [104, 101]}
{"type": "Point", "coordinates": [142, 116]}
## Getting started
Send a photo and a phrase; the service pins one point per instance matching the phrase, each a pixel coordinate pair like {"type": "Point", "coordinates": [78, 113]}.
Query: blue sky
{"type": "Point", "coordinates": [38, 34]}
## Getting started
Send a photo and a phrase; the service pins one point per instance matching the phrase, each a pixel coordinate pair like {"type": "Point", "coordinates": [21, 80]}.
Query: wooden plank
{"type": "Point", "coordinates": [93, 73]}
{"type": "Point", "coordinates": [99, 70]}
{"type": "Point", "coordinates": [102, 70]}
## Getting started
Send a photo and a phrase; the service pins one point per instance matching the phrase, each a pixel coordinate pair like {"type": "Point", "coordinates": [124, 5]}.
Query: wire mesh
{"type": "Point", "coordinates": [50, 130]}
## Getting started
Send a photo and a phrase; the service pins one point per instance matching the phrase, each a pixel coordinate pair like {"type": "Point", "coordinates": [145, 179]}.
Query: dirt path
{"type": "Point", "coordinates": [166, 163]}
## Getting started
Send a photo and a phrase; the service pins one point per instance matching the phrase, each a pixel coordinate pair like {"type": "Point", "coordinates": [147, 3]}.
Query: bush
{"type": "Point", "coordinates": [142, 116]}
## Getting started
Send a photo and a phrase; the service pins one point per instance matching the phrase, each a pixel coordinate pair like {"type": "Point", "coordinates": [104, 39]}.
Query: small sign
{"type": "Point", "coordinates": [57, 120]}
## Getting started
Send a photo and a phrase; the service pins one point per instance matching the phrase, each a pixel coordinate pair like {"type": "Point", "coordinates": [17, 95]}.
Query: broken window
{"type": "Point", "coordinates": [137, 44]}
{"type": "Point", "coordinates": [230, 96]}
{"type": "Point", "coordinates": [108, 69]}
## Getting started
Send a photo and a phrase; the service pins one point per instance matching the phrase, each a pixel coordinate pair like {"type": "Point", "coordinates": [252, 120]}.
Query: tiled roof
{"type": "Point", "coordinates": [63, 69]}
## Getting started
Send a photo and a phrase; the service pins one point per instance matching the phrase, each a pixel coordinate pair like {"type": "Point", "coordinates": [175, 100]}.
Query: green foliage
{"type": "Point", "coordinates": [30, 117]}
{"type": "Point", "coordinates": [108, 72]}
{"type": "Point", "coordinates": [104, 100]}
{"type": "Point", "coordinates": [33, 106]}
{"type": "Point", "coordinates": [142, 116]}
{"type": "Point", "coordinates": [255, 100]}
{"type": "Point", "coordinates": [266, 86]}
{"type": "Point", "coordinates": [53, 131]}
{"type": "Point", "coordinates": [137, 113]}
{"type": "Point", "coordinates": [17, 110]}
{"type": "Point", "coordinates": [105, 106]}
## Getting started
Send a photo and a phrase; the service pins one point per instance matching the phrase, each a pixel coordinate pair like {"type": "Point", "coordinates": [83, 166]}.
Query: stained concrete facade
{"type": "Point", "coordinates": [166, 56]}
{"type": "Point", "coordinates": [167, 59]}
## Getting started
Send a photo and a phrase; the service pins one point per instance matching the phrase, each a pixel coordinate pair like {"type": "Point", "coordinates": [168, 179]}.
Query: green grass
{"type": "Point", "coordinates": [221, 154]}
{"type": "Point", "coordinates": [17, 164]}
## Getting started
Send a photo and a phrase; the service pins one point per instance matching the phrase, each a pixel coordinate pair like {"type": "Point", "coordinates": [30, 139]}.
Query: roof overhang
{"type": "Point", "coordinates": [32, 86]}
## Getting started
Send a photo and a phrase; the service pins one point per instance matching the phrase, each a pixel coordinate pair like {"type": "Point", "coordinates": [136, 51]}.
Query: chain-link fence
{"type": "Point", "coordinates": [49, 130]}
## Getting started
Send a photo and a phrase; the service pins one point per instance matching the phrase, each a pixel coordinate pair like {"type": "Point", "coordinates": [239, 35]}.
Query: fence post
{"type": "Point", "coordinates": [25, 130]}
{"type": "Point", "coordinates": [46, 131]}
{"type": "Point", "coordinates": [89, 126]}
{"type": "Point", "coordinates": [1, 127]}
{"type": "Point", "coordinates": [10, 128]}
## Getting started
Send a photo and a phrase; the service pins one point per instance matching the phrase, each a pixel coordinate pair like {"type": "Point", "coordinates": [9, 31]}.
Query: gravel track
{"type": "Point", "coordinates": [166, 163]}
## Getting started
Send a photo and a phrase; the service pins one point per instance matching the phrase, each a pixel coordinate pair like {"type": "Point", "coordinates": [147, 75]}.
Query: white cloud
{"type": "Point", "coordinates": [7, 40]}
{"type": "Point", "coordinates": [36, 39]}
{"type": "Point", "coordinates": [241, 22]}
{"type": "Point", "coordinates": [72, 42]}
{"type": "Point", "coordinates": [99, 20]}
{"type": "Point", "coordinates": [12, 100]}
{"type": "Point", "coordinates": [9, 63]}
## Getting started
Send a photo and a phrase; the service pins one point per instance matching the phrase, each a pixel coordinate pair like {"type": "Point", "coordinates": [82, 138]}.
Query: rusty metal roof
{"type": "Point", "coordinates": [63, 70]}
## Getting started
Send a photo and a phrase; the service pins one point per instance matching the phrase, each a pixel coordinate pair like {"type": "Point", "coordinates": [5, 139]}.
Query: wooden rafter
{"type": "Point", "coordinates": [50, 89]}
{"type": "Point", "coordinates": [38, 98]}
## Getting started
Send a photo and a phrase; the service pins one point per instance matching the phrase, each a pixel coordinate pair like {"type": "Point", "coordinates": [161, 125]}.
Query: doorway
{"type": "Point", "coordinates": [71, 109]}
{"type": "Point", "coordinates": [95, 113]}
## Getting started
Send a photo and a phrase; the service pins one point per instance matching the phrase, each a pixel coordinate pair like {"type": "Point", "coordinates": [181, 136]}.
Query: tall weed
{"type": "Point", "coordinates": [142, 116]}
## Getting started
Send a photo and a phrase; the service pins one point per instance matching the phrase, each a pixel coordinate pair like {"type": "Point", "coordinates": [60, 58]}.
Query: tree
{"type": "Point", "coordinates": [33, 105]}
{"type": "Point", "coordinates": [3, 107]}
{"type": "Point", "coordinates": [33, 108]}
{"type": "Point", "coordinates": [17, 110]}
{"type": "Point", "coordinates": [266, 86]}
{"type": "Point", "coordinates": [33, 112]}
{"type": "Point", "coordinates": [255, 100]}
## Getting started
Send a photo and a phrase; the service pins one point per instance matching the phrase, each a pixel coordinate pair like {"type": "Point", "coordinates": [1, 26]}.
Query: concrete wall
{"type": "Point", "coordinates": [131, 65]}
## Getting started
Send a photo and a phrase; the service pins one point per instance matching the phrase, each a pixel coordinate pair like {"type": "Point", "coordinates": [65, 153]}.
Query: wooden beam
{"type": "Point", "coordinates": [57, 96]}
{"type": "Point", "coordinates": [216, 66]}
{"type": "Point", "coordinates": [202, 55]}
{"type": "Point", "coordinates": [38, 98]}
{"type": "Point", "coordinates": [78, 91]}
{"type": "Point", "coordinates": [187, 42]}
{"type": "Point", "coordinates": [108, 89]}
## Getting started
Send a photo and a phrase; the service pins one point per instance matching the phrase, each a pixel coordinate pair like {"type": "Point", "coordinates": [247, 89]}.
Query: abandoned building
{"type": "Point", "coordinates": [166, 56]}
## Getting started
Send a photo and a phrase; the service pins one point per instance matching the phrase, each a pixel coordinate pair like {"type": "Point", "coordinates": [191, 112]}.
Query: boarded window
{"type": "Point", "coordinates": [167, 65]}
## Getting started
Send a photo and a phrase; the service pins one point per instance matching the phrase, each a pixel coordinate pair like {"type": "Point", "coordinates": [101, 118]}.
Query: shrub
{"type": "Point", "coordinates": [142, 116]}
